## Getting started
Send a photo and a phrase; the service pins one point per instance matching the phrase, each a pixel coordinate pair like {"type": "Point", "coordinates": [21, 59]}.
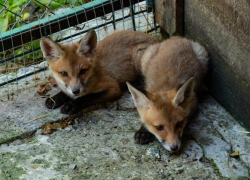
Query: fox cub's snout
{"type": "Point", "coordinates": [165, 114]}
{"type": "Point", "coordinates": [71, 65]}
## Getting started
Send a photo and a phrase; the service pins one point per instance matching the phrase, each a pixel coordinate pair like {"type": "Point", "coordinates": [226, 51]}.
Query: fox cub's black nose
{"type": "Point", "coordinates": [76, 91]}
{"type": "Point", "coordinates": [174, 148]}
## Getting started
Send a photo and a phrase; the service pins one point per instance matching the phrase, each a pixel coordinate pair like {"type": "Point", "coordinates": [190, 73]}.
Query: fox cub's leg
{"type": "Point", "coordinates": [59, 99]}
{"type": "Point", "coordinates": [143, 136]}
{"type": "Point", "coordinates": [76, 105]}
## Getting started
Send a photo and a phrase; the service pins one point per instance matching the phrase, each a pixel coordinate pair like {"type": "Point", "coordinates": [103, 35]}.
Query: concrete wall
{"type": "Point", "coordinates": [223, 27]}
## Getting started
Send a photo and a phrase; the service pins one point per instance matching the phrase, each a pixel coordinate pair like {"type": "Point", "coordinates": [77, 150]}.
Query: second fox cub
{"type": "Point", "coordinates": [173, 71]}
{"type": "Point", "coordinates": [91, 73]}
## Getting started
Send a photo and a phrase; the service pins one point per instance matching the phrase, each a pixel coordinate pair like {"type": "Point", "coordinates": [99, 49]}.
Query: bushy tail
{"type": "Point", "coordinates": [201, 53]}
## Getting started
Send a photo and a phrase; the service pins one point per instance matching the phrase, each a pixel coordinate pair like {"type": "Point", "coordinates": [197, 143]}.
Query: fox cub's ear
{"type": "Point", "coordinates": [184, 94]}
{"type": "Point", "coordinates": [50, 49]}
{"type": "Point", "coordinates": [140, 100]}
{"type": "Point", "coordinates": [88, 43]}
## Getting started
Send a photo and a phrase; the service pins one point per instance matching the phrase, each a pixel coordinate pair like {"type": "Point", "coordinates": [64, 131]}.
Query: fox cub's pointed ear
{"type": "Point", "coordinates": [50, 49]}
{"type": "Point", "coordinates": [140, 100]}
{"type": "Point", "coordinates": [88, 43]}
{"type": "Point", "coordinates": [184, 94]}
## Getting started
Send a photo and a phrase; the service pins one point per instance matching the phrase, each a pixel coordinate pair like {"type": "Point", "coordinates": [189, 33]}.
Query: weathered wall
{"type": "Point", "coordinates": [169, 15]}
{"type": "Point", "coordinates": [223, 27]}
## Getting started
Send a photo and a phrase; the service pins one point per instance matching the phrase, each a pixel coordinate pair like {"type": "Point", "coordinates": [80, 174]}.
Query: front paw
{"type": "Point", "coordinates": [69, 108]}
{"type": "Point", "coordinates": [56, 101]}
{"type": "Point", "coordinates": [50, 104]}
{"type": "Point", "coordinates": [142, 136]}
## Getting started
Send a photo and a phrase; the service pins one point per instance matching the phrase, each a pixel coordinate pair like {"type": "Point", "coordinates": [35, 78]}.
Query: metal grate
{"type": "Point", "coordinates": [21, 61]}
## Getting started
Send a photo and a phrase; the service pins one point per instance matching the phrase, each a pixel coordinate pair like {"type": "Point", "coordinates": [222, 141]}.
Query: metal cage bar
{"type": "Point", "coordinates": [49, 26]}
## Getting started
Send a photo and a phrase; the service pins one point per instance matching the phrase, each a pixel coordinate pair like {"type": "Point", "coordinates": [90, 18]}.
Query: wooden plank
{"type": "Point", "coordinates": [230, 90]}
{"type": "Point", "coordinates": [169, 15]}
{"type": "Point", "coordinates": [237, 12]}
{"type": "Point", "coordinates": [220, 33]}
{"type": "Point", "coordinates": [215, 26]}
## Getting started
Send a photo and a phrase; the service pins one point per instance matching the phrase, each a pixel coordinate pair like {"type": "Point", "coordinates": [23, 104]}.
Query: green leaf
{"type": "Point", "coordinates": [62, 1]}
{"type": "Point", "coordinates": [77, 4]}
{"type": "Point", "coordinates": [3, 24]}
{"type": "Point", "coordinates": [9, 15]}
{"type": "Point", "coordinates": [25, 15]}
{"type": "Point", "coordinates": [14, 5]}
{"type": "Point", "coordinates": [36, 44]}
{"type": "Point", "coordinates": [18, 51]}
{"type": "Point", "coordinates": [53, 5]}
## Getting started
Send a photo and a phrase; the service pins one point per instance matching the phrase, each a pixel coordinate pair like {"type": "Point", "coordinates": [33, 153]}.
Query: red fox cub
{"type": "Point", "coordinates": [173, 71]}
{"type": "Point", "coordinates": [90, 73]}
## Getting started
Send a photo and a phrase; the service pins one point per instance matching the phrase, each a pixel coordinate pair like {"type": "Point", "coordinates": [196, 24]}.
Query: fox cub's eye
{"type": "Point", "coordinates": [179, 124]}
{"type": "Point", "coordinates": [64, 74]}
{"type": "Point", "coordinates": [159, 128]}
{"type": "Point", "coordinates": [83, 71]}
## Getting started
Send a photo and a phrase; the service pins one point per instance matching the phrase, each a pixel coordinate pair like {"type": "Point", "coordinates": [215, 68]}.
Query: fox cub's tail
{"type": "Point", "coordinates": [200, 53]}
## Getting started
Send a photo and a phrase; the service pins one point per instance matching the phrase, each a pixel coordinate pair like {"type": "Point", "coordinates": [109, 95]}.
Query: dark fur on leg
{"type": "Point", "coordinates": [143, 136]}
{"type": "Point", "coordinates": [59, 99]}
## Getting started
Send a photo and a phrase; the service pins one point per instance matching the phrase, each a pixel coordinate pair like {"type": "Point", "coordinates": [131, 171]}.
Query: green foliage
{"type": "Point", "coordinates": [53, 5]}
{"type": "Point", "coordinates": [3, 24]}
{"type": "Point", "coordinates": [28, 58]}
{"type": "Point", "coordinates": [8, 18]}
{"type": "Point", "coordinates": [16, 6]}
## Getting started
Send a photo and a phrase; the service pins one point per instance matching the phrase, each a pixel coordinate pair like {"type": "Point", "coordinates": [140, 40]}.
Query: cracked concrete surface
{"type": "Point", "coordinates": [100, 144]}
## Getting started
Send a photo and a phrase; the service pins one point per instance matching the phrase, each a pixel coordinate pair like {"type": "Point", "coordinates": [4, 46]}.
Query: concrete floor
{"type": "Point", "coordinates": [99, 144]}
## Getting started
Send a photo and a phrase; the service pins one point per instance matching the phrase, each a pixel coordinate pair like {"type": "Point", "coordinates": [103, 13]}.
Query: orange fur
{"type": "Point", "coordinates": [173, 71]}
{"type": "Point", "coordinates": [108, 63]}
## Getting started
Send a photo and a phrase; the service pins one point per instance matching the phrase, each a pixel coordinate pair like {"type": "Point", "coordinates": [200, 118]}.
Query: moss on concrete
{"type": "Point", "coordinates": [10, 130]}
{"type": "Point", "coordinates": [10, 166]}
{"type": "Point", "coordinates": [42, 163]}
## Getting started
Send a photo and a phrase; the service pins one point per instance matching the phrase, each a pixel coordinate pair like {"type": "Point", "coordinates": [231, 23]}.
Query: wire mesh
{"type": "Point", "coordinates": [21, 63]}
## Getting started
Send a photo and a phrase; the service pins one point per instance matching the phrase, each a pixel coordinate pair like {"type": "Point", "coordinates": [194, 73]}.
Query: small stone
{"type": "Point", "coordinates": [69, 128]}
{"type": "Point", "coordinates": [72, 166]}
{"type": "Point", "coordinates": [110, 115]}
{"type": "Point", "coordinates": [133, 157]}
{"type": "Point", "coordinates": [179, 171]}
{"type": "Point", "coordinates": [76, 121]}
{"type": "Point", "coordinates": [179, 165]}
{"type": "Point", "coordinates": [154, 153]}
{"type": "Point", "coordinates": [163, 176]}
{"type": "Point", "coordinates": [93, 121]}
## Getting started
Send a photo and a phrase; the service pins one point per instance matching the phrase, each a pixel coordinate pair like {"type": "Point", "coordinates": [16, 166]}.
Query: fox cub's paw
{"type": "Point", "coordinates": [142, 136]}
{"type": "Point", "coordinates": [56, 101]}
{"type": "Point", "coordinates": [70, 108]}
{"type": "Point", "coordinates": [51, 104]}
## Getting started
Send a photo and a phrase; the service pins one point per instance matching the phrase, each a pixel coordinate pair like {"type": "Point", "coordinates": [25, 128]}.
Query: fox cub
{"type": "Point", "coordinates": [90, 73]}
{"type": "Point", "coordinates": [173, 71]}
